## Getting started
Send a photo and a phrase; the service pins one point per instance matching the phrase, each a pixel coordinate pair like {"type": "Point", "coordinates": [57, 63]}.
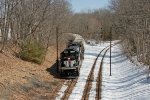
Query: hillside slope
{"type": "Point", "coordinates": [22, 80]}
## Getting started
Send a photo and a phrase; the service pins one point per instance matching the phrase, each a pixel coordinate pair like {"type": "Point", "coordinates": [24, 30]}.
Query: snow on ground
{"type": "Point", "coordinates": [92, 95]}
{"type": "Point", "coordinates": [61, 91]}
{"type": "Point", "coordinates": [90, 55]}
{"type": "Point", "coordinates": [128, 81]}
{"type": "Point", "coordinates": [91, 52]}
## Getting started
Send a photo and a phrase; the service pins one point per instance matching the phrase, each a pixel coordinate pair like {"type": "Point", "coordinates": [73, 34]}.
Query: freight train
{"type": "Point", "coordinates": [71, 59]}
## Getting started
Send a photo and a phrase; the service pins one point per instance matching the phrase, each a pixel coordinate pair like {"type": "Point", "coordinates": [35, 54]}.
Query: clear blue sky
{"type": "Point", "coordinates": [82, 5]}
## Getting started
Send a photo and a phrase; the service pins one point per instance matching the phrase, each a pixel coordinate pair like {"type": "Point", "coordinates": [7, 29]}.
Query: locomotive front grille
{"type": "Point", "coordinates": [70, 63]}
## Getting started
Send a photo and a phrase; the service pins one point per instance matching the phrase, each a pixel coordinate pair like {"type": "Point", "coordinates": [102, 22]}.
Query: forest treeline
{"type": "Point", "coordinates": [132, 25]}
{"type": "Point", "coordinates": [32, 25]}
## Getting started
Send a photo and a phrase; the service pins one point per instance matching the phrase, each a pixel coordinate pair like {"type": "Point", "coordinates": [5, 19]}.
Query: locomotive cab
{"type": "Point", "coordinates": [69, 61]}
{"type": "Point", "coordinates": [69, 58]}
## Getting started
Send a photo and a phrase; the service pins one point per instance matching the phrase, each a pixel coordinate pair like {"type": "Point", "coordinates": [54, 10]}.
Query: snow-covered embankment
{"type": "Point", "coordinates": [128, 81]}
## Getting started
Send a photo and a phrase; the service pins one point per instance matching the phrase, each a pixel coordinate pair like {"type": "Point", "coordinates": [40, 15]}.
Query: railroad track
{"type": "Point", "coordinates": [72, 82]}
{"type": "Point", "coordinates": [68, 91]}
{"type": "Point", "coordinates": [90, 77]}
{"type": "Point", "coordinates": [99, 82]}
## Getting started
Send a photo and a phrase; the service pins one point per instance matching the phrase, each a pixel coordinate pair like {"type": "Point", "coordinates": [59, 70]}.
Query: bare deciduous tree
{"type": "Point", "coordinates": [133, 16]}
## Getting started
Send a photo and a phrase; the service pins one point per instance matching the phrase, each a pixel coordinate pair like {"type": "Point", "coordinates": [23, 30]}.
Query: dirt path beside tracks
{"type": "Point", "coordinates": [21, 80]}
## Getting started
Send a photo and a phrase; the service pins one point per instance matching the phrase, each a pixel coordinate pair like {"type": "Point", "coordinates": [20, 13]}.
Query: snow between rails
{"type": "Point", "coordinates": [90, 55]}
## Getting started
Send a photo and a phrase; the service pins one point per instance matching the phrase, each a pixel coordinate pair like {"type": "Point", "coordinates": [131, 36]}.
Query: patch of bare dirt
{"type": "Point", "coordinates": [21, 80]}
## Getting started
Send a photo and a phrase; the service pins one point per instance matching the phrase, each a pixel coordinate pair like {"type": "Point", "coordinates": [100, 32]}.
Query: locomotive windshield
{"type": "Point", "coordinates": [69, 53]}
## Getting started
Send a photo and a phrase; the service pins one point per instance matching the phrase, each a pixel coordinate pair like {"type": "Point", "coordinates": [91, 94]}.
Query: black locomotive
{"type": "Point", "coordinates": [71, 59]}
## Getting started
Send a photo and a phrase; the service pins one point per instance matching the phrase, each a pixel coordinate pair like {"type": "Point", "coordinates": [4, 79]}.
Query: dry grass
{"type": "Point", "coordinates": [28, 81]}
